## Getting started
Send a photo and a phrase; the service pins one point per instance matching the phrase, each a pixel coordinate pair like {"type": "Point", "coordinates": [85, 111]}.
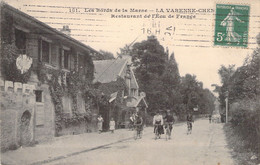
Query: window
{"type": "Point", "coordinates": [81, 64]}
{"type": "Point", "coordinates": [38, 96]}
{"type": "Point", "coordinates": [133, 92]}
{"type": "Point", "coordinates": [66, 59]}
{"type": "Point", "coordinates": [20, 41]}
{"type": "Point", "coordinates": [45, 51]}
{"type": "Point", "coordinates": [60, 57]}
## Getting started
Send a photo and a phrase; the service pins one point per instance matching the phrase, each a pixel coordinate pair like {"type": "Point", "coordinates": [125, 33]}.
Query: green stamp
{"type": "Point", "coordinates": [231, 25]}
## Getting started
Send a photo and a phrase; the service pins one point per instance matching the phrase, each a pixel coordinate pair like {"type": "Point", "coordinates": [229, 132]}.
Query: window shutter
{"type": "Point", "coordinates": [54, 55]}
{"type": "Point", "coordinates": [40, 50]}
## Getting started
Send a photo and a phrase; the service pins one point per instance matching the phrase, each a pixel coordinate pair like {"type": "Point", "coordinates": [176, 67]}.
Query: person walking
{"type": "Point", "coordinates": [100, 123]}
{"type": "Point", "coordinates": [229, 22]}
{"type": "Point", "coordinates": [112, 125]}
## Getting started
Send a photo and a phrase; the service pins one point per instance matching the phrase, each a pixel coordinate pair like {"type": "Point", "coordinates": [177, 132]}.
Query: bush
{"type": "Point", "coordinates": [246, 122]}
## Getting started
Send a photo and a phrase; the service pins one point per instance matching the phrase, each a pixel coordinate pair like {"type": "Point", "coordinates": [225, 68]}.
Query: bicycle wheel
{"type": "Point", "coordinates": [156, 132]}
{"type": "Point", "coordinates": [135, 134]}
{"type": "Point", "coordinates": [189, 128]}
{"type": "Point", "coordinates": [167, 133]}
{"type": "Point", "coordinates": [140, 135]}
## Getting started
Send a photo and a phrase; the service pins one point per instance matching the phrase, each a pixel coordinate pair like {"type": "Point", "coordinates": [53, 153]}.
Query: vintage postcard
{"type": "Point", "coordinates": [147, 82]}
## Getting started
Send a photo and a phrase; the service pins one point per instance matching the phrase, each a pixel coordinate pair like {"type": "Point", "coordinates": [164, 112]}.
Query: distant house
{"type": "Point", "coordinates": [27, 109]}
{"type": "Point", "coordinates": [107, 71]}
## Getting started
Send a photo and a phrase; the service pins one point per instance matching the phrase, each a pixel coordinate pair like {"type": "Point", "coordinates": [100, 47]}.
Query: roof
{"type": "Point", "coordinates": [133, 82]}
{"type": "Point", "coordinates": [45, 26]}
{"type": "Point", "coordinates": [108, 70]}
{"type": "Point", "coordinates": [136, 101]}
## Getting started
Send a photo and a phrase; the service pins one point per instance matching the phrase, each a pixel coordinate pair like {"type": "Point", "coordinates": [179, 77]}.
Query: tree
{"type": "Point", "coordinates": [149, 60]}
{"type": "Point", "coordinates": [158, 76]}
{"type": "Point", "coordinates": [171, 81]}
{"type": "Point", "coordinates": [104, 55]}
{"type": "Point", "coordinates": [195, 96]}
{"type": "Point", "coordinates": [125, 50]}
{"type": "Point", "coordinates": [225, 74]}
{"type": "Point", "coordinates": [243, 85]}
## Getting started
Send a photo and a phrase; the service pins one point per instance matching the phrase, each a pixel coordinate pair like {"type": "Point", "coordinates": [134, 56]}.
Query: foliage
{"type": "Point", "coordinates": [226, 74]}
{"type": "Point", "coordinates": [243, 85]}
{"type": "Point", "coordinates": [238, 146]}
{"type": "Point", "coordinates": [149, 59]}
{"type": "Point", "coordinates": [126, 50]}
{"type": "Point", "coordinates": [159, 78]}
{"type": "Point", "coordinates": [107, 55]}
{"type": "Point", "coordinates": [72, 85]}
{"type": "Point", "coordinates": [9, 53]}
{"type": "Point", "coordinates": [56, 92]}
{"type": "Point", "coordinates": [89, 69]}
{"type": "Point", "coordinates": [104, 55]}
{"type": "Point", "coordinates": [195, 96]}
{"type": "Point", "coordinates": [247, 123]}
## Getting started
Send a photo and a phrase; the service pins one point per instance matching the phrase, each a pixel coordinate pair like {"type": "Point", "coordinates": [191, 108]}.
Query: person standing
{"type": "Point", "coordinates": [100, 123]}
{"type": "Point", "coordinates": [112, 125]}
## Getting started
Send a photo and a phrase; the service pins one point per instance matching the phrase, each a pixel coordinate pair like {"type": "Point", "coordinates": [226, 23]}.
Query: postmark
{"type": "Point", "coordinates": [231, 25]}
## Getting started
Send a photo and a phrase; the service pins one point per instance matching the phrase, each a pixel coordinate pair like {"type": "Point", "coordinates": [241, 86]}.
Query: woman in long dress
{"type": "Point", "coordinates": [229, 22]}
{"type": "Point", "coordinates": [100, 123]}
{"type": "Point", "coordinates": [158, 120]}
{"type": "Point", "coordinates": [112, 125]}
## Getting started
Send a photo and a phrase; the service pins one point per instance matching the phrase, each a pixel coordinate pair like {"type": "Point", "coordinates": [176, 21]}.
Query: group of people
{"type": "Point", "coordinates": [112, 124]}
{"type": "Point", "coordinates": [136, 122]}
{"type": "Point", "coordinates": [159, 121]}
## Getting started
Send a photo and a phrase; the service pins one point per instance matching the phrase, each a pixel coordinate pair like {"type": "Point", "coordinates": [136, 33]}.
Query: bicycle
{"type": "Point", "coordinates": [168, 130]}
{"type": "Point", "coordinates": [138, 131]}
{"type": "Point", "coordinates": [189, 127]}
{"type": "Point", "coordinates": [156, 131]}
{"type": "Point", "coordinates": [131, 126]}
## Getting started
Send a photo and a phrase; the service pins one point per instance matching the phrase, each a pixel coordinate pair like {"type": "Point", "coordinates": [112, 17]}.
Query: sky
{"type": "Point", "coordinates": [190, 35]}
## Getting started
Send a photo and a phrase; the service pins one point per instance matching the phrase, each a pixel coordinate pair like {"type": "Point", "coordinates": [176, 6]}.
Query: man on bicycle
{"type": "Point", "coordinates": [131, 122]}
{"type": "Point", "coordinates": [158, 122]}
{"type": "Point", "coordinates": [169, 120]}
{"type": "Point", "coordinates": [189, 122]}
{"type": "Point", "coordinates": [138, 124]}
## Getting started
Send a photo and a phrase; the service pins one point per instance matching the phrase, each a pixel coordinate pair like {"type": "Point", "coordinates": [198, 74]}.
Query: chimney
{"type": "Point", "coordinates": [66, 30]}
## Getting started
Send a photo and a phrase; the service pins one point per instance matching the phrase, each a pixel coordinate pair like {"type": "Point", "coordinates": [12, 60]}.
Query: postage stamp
{"type": "Point", "coordinates": [231, 25]}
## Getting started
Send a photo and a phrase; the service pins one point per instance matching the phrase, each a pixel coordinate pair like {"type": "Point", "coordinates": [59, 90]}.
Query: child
{"type": "Point", "coordinates": [112, 125]}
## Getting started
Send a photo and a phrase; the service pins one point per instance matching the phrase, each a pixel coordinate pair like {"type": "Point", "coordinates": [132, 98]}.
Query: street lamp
{"type": "Point", "coordinates": [226, 94]}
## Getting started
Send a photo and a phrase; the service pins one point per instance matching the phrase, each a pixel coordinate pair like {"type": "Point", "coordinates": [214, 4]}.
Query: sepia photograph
{"type": "Point", "coordinates": [141, 82]}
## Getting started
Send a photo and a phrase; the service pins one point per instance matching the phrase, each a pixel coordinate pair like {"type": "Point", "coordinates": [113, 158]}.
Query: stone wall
{"type": "Point", "coordinates": [16, 114]}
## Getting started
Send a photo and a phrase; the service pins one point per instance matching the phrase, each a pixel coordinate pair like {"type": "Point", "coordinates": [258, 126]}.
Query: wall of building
{"type": "Point", "coordinates": [17, 115]}
{"type": "Point", "coordinates": [14, 103]}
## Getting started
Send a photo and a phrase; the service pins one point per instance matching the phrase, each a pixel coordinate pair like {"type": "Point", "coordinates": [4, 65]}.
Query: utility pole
{"type": "Point", "coordinates": [226, 93]}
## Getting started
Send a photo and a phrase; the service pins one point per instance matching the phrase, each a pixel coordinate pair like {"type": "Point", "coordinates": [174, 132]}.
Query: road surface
{"type": "Point", "coordinates": [205, 146]}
